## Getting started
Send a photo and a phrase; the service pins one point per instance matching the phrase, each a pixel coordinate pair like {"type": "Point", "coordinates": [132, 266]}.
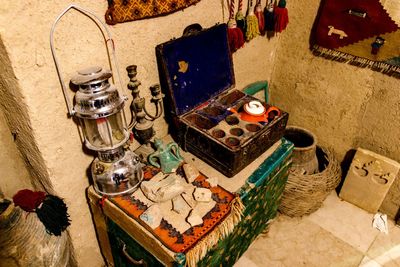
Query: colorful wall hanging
{"type": "Point", "coordinates": [128, 10]}
{"type": "Point", "coordinates": [362, 33]}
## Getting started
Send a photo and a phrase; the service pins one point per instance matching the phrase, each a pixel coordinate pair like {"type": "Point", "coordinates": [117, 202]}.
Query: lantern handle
{"type": "Point", "coordinates": [108, 40]}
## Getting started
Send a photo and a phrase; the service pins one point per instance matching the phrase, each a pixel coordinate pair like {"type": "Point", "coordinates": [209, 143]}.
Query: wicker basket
{"type": "Point", "coordinates": [304, 193]}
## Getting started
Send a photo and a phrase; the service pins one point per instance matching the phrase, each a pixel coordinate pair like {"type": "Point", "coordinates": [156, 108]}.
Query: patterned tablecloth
{"type": "Point", "coordinates": [217, 223]}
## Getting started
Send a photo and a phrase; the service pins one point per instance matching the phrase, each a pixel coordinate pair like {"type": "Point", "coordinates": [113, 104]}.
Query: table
{"type": "Point", "coordinates": [124, 242]}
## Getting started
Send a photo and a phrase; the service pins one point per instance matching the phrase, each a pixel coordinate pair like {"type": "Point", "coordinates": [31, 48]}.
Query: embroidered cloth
{"type": "Point", "coordinates": [127, 10]}
{"type": "Point", "coordinates": [197, 240]}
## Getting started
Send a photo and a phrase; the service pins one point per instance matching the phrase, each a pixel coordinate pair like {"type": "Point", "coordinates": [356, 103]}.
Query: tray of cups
{"type": "Point", "coordinates": [233, 119]}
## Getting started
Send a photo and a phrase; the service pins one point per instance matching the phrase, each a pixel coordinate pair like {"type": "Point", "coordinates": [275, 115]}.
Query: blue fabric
{"type": "Point", "coordinates": [209, 72]}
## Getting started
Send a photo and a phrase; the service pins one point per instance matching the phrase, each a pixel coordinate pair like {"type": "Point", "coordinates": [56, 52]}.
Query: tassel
{"type": "Point", "coordinates": [240, 19]}
{"type": "Point", "coordinates": [251, 23]}
{"type": "Point", "coordinates": [269, 17]}
{"type": "Point", "coordinates": [281, 16]}
{"type": "Point", "coordinates": [235, 35]}
{"type": "Point", "coordinates": [51, 210]}
{"type": "Point", "coordinates": [260, 17]}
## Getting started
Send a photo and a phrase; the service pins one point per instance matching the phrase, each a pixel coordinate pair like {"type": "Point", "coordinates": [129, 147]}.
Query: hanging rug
{"type": "Point", "coordinates": [362, 33]}
{"type": "Point", "coordinates": [218, 222]}
{"type": "Point", "coordinates": [128, 10]}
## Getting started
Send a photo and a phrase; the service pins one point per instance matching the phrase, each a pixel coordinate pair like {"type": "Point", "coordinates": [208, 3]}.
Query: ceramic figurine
{"type": "Point", "coordinates": [165, 189]}
{"type": "Point", "coordinates": [191, 172]}
{"type": "Point", "coordinates": [376, 45]}
{"type": "Point", "coordinates": [180, 206]}
{"type": "Point", "coordinates": [169, 160]}
{"type": "Point", "coordinates": [194, 219]}
{"type": "Point", "coordinates": [213, 181]}
{"type": "Point", "coordinates": [152, 216]}
{"type": "Point", "coordinates": [188, 197]}
{"type": "Point", "coordinates": [202, 194]}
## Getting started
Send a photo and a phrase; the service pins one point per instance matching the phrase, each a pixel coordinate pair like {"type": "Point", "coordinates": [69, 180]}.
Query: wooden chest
{"type": "Point", "coordinates": [124, 242]}
{"type": "Point", "coordinates": [204, 110]}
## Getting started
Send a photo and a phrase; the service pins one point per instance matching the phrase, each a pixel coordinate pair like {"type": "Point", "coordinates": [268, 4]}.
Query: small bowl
{"type": "Point", "coordinates": [236, 132]}
{"type": "Point", "coordinates": [218, 133]}
{"type": "Point", "coordinates": [251, 127]}
{"type": "Point", "coordinates": [232, 142]}
{"type": "Point", "coordinates": [232, 120]}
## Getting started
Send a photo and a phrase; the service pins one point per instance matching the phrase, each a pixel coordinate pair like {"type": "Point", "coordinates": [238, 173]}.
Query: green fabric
{"type": "Point", "coordinates": [261, 206]}
{"type": "Point", "coordinates": [118, 238]}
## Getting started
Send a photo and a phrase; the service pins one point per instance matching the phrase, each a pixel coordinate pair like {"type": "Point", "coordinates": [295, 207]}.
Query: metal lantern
{"type": "Point", "coordinates": [99, 110]}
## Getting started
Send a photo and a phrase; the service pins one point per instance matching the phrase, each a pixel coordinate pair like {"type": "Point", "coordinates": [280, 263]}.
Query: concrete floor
{"type": "Point", "coordinates": [338, 234]}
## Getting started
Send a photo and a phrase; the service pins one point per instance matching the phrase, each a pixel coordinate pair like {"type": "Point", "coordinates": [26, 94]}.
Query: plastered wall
{"type": "Point", "coordinates": [345, 106]}
{"type": "Point", "coordinates": [14, 175]}
{"type": "Point", "coordinates": [51, 145]}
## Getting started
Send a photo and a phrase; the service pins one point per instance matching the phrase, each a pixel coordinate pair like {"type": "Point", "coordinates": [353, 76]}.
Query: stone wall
{"type": "Point", "coordinates": [32, 101]}
{"type": "Point", "coordinates": [345, 106]}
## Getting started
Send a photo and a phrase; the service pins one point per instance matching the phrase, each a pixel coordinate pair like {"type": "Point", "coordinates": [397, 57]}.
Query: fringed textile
{"type": "Point", "coordinates": [281, 16]}
{"type": "Point", "coordinates": [391, 70]}
{"type": "Point", "coordinates": [196, 253]}
{"type": "Point", "coordinates": [269, 18]}
{"type": "Point", "coordinates": [240, 18]}
{"type": "Point", "coordinates": [252, 29]}
{"type": "Point", "coordinates": [235, 35]}
{"type": "Point", "coordinates": [260, 17]}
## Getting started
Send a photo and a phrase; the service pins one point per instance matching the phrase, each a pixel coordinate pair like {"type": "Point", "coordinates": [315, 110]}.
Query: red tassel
{"type": "Point", "coordinates": [260, 17]}
{"type": "Point", "coordinates": [235, 36]}
{"type": "Point", "coordinates": [51, 210]}
{"type": "Point", "coordinates": [28, 200]}
{"type": "Point", "coordinates": [281, 16]}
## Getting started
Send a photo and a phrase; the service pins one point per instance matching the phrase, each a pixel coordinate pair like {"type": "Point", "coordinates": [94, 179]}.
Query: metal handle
{"type": "Point", "coordinates": [98, 23]}
{"type": "Point", "coordinates": [130, 259]}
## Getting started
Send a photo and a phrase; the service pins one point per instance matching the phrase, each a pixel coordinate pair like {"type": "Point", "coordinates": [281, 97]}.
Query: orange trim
{"type": "Point", "coordinates": [198, 232]}
{"type": "Point", "coordinates": [273, 108]}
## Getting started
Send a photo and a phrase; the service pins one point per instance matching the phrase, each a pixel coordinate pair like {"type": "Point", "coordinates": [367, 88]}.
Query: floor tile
{"type": "Point", "coordinates": [368, 262]}
{"type": "Point", "coordinates": [297, 242]}
{"type": "Point", "coordinates": [346, 221]}
{"type": "Point", "coordinates": [386, 247]}
{"type": "Point", "coordinates": [245, 262]}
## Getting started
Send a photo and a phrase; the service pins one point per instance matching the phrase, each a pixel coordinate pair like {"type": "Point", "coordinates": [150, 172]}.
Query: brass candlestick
{"type": "Point", "coordinates": [142, 120]}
